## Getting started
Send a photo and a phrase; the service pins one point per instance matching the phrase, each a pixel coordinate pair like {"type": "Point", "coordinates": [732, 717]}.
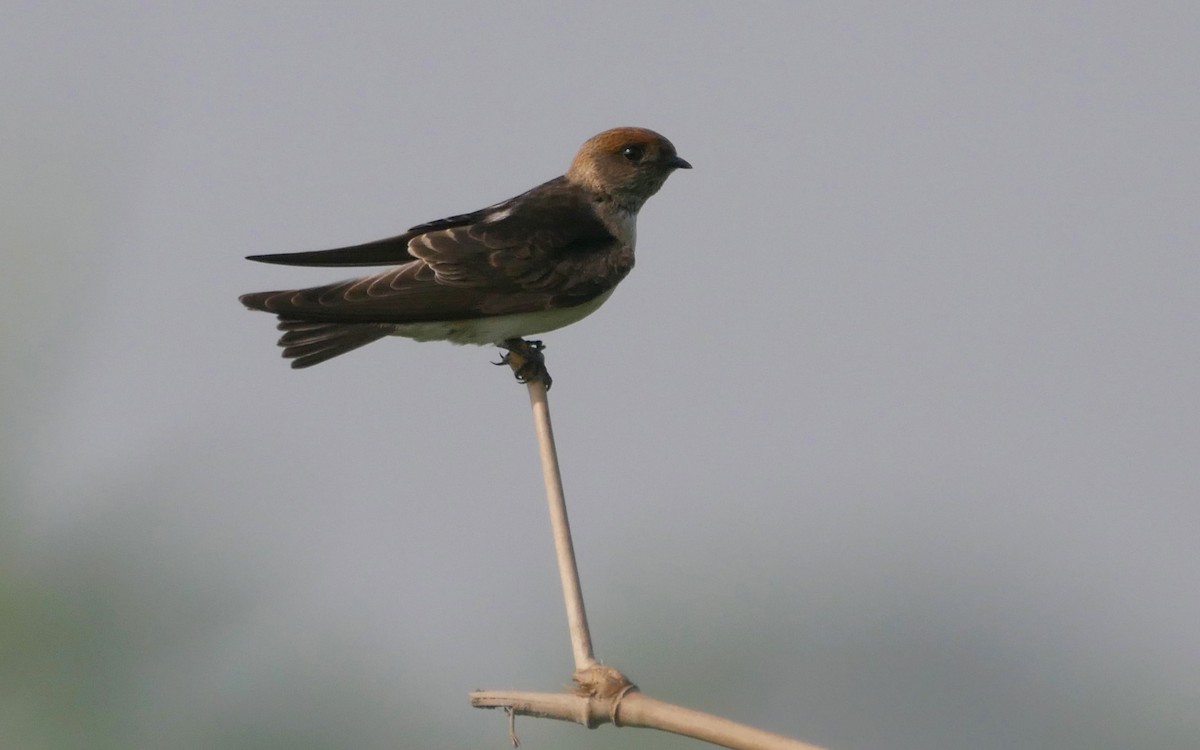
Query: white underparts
{"type": "Point", "coordinates": [497, 328]}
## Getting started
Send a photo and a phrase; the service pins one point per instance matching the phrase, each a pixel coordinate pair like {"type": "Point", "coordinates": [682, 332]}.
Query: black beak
{"type": "Point", "coordinates": [676, 162]}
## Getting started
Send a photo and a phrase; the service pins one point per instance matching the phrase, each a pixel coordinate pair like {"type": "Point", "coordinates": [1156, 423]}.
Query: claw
{"type": "Point", "coordinates": [529, 363]}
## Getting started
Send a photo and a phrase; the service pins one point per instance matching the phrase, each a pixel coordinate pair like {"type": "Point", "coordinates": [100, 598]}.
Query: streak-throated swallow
{"type": "Point", "coordinates": [528, 265]}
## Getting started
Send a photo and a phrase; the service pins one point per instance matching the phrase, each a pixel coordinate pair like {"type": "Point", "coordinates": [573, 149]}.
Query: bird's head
{"type": "Point", "coordinates": [627, 165]}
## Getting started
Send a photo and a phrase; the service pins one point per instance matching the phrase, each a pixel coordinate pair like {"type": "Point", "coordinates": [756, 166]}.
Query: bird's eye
{"type": "Point", "coordinates": [633, 153]}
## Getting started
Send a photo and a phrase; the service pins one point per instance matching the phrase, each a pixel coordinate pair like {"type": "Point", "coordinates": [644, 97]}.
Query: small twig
{"type": "Point", "coordinates": [512, 726]}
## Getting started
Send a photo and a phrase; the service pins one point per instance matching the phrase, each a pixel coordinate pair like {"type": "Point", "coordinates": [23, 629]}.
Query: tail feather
{"type": "Point", "coordinates": [309, 343]}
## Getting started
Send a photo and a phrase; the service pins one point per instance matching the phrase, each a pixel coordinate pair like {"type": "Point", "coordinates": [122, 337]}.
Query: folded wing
{"type": "Point", "coordinates": [543, 249]}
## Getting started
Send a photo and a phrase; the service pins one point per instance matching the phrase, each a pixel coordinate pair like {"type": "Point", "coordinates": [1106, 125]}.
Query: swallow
{"type": "Point", "coordinates": [528, 265]}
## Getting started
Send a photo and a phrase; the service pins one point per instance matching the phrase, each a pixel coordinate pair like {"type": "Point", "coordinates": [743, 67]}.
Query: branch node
{"type": "Point", "coordinates": [603, 687]}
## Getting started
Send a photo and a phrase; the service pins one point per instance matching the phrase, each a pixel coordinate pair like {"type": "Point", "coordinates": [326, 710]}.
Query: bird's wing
{"type": "Point", "coordinates": [545, 248]}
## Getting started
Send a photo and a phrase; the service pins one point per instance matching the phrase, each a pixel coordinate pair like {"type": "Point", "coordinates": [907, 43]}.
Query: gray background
{"type": "Point", "coordinates": [890, 441]}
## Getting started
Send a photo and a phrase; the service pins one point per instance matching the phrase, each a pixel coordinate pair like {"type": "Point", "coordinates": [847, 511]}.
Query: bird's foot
{"type": "Point", "coordinates": [526, 360]}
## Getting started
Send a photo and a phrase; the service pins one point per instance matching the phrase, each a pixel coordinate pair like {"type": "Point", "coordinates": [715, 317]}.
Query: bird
{"type": "Point", "coordinates": [527, 265]}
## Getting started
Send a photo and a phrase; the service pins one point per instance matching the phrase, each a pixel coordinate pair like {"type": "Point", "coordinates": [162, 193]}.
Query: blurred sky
{"type": "Point", "coordinates": [891, 440]}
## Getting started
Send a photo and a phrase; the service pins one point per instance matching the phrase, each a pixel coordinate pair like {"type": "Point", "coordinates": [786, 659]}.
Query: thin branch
{"type": "Point", "coordinates": [635, 709]}
{"type": "Point", "coordinates": [581, 638]}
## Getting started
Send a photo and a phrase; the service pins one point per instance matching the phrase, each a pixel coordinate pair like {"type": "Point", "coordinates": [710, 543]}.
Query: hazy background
{"type": "Point", "coordinates": [892, 439]}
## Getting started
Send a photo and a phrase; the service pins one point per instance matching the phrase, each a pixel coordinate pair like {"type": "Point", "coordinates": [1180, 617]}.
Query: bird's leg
{"type": "Point", "coordinates": [526, 360]}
